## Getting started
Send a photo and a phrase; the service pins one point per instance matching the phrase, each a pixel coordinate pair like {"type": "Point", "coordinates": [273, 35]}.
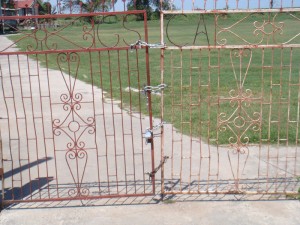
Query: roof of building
{"type": "Point", "coordinates": [24, 3]}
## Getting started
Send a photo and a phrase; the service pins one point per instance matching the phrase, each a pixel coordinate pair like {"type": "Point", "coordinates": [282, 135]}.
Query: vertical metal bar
{"type": "Point", "coordinates": [219, 111]}
{"type": "Point", "coordinates": [140, 118]}
{"type": "Point", "coordinates": [209, 113]}
{"type": "Point", "coordinates": [19, 153]}
{"type": "Point", "coordinates": [1, 146]}
{"type": "Point", "coordinates": [297, 125]}
{"type": "Point", "coordinates": [104, 120]}
{"type": "Point", "coordinates": [2, 168]}
{"type": "Point", "coordinates": [51, 117]}
{"type": "Point", "coordinates": [215, 26]}
{"type": "Point", "coordinates": [262, 103]}
{"type": "Point", "coordinates": [122, 120]}
{"type": "Point", "coordinates": [200, 118]}
{"type": "Point", "coordinates": [16, 120]}
{"type": "Point", "coordinates": [34, 124]}
{"type": "Point", "coordinates": [190, 119]}
{"type": "Point", "coordinates": [279, 118]}
{"type": "Point", "coordinates": [149, 97]}
{"type": "Point", "coordinates": [269, 116]}
{"type": "Point", "coordinates": [288, 118]}
{"type": "Point", "coordinates": [131, 122]}
{"type": "Point", "coordinates": [173, 96]}
{"type": "Point", "coordinates": [43, 133]}
{"type": "Point", "coordinates": [94, 115]}
{"type": "Point", "coordinates": [181, 117]}
{"type": "Point", "coordinates": [113, 118]}
{"type": "Point", "coordinates": [162, 70]}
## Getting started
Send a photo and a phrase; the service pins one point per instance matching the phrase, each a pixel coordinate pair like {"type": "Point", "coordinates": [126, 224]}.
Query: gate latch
{"type": "Point", "coordinates": [154, 89]}
{"type": "Point", "coordinates": [149, 133]}
{"type": "Point", "coordinates": [140, 44]}
{"type": "Point", "coordinates": [162, 162]}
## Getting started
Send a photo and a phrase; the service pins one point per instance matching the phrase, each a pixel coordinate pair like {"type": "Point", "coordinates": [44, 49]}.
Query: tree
{"type": "Point", "coordinates": [8, 4]}
{"type": "Point", "coordinates": [149, 5]}
{"type": "Point", "coordinates": [140, 5]}
{"type": "Point", "coordinates": [88, 5]}
{"type": "Point", "coordinates": [97, 5]}
{"type": "Point", "coordinates": [166, 4]}
{"type": "Point", "coordinates": [45, 8]}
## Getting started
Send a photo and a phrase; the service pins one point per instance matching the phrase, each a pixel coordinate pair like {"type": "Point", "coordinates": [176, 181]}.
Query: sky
{"type": "Point", "coordinates": [119, 6]}
{"type": "Point", "coordinates": [222, 4]}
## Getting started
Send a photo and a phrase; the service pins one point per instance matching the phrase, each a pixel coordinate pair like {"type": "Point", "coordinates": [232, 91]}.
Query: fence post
{"type": "Point", "coordinates": [1, 170]}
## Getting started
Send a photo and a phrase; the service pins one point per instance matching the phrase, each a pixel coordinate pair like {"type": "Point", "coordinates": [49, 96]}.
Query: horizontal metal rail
{"type": "Point", "coordinates": [231, 47]}
{"type": "Point", "coordinates": [133, 12]}
{"type": "Point", "coordinates": [221, 11]}
{"type": "Point", "coordinates": [8, 202]}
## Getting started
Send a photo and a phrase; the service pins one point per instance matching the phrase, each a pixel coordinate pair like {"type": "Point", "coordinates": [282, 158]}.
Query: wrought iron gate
{"type": "Point", "coordinates": [64, 139]}
{"type": "Point", "coordinates": [232, 104]}
{"type": "Point", "coordinates": [229, 103]}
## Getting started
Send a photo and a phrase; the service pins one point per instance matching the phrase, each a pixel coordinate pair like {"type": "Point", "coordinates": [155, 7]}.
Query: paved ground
{"type": "Point", "coordinates": [178, 213]}
{"type": "Point", "coordinates": [176, 210]}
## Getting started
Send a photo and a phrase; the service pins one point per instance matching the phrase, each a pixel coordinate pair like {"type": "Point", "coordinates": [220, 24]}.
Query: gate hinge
{"type": "Point", "coordinates": [140, 44]}
{"type": "Point", "coordinates": [149, 133]}
{"type": "Point", "coordinates": [162, 162]}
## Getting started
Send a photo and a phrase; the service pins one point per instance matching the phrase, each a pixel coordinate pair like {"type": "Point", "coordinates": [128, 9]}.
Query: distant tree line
{"type": "Point", "coordinates": [151, 6]}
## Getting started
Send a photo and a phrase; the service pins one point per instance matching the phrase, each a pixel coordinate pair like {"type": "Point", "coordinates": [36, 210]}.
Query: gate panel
{"type": "Point", "coordinates": [68, 139]}
{"type": "Point", "coordinates": [232, 104]}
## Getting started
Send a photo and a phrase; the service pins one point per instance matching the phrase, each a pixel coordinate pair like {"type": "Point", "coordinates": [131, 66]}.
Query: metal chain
{"type": "Point", "coordinates": [162, 162]}
{"type": "Point", "coordinates": [154, 89]}
{"type": "Point", "coordinates": [141, 43]}
{"type": "Point", "coordinates": [156, 127]}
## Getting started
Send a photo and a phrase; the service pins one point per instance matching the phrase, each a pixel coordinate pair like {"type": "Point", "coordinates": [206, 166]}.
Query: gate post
{"type": "Point", "coordinates": [1, 171]}
{"type": "Point", "coordinates": [162, 62]}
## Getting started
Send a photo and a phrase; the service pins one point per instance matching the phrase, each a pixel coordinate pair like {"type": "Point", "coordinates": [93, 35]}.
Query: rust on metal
{"type": "Point", "coordinates": [228, 98]}
{"type": "Point", "coordinates": [66, 140]}
{"type": "Point", "coordinates": [229, 119]}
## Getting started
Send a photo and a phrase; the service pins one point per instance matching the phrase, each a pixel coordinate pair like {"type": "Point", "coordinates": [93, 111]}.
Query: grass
{"type": "Point", "coordinates": [199, 81]}
{"type": "Point", "coordinates": [294, 196]}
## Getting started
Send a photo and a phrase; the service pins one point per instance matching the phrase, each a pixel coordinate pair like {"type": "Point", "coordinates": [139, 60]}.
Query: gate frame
{"type": "Point", "coordinates": [215, 45]}
{"type": "Point", "coordinates": [88, 50]}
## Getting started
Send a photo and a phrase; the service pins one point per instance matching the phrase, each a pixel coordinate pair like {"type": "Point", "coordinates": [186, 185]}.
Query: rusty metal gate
{"type": "Point", "coordinates": [80, 118]}
{"type": "Point", "coordinates": [65, 139]}
{"type": "Point", "coordinates": [231, 109]}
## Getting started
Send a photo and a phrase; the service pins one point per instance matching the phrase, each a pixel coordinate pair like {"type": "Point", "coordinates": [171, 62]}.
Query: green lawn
{"type": "Point", "coordinates": [203, 98]}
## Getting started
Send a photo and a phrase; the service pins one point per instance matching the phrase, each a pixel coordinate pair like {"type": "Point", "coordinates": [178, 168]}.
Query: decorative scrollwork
{"type": "Point", "coordinates": [74, 127]}
{"type": "Point", "coordinates": [53, 33]}
{"type": "Point", "coordinates": [239, 122]}
{"type": "Point", "coordinates": [98, 32]}
{"type": "Point", "coordinates": [139, 37]}
{"type": "Point", "coordinates": [201, 29]}
{"type": "Point", "coordinates": [266, 30]}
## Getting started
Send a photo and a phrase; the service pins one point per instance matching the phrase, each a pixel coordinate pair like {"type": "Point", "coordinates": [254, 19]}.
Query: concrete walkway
{"type": "Point", "coordinates": [178, 213]}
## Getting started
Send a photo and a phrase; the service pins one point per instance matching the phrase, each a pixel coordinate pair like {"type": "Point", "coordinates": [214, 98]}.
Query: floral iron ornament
{"type": "Point", "coordinates": [74, 127]}
{"type": "Point", "coordinates": [240, 122]}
